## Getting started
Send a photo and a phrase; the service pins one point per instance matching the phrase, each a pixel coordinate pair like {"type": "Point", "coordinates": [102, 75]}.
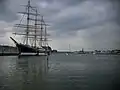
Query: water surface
{"type": "Point", "coordinates": [60, 72]}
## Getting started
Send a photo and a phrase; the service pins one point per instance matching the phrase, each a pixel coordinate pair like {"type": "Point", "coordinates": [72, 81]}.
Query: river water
{"type": "Point", "coordinates": [60, 72]}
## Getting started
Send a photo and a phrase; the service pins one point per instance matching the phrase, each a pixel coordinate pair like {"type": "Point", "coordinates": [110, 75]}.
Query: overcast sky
{"type": "Point", "coordinates": [89, 24]}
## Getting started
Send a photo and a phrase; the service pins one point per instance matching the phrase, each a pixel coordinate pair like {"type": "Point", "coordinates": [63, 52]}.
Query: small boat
{"type": "Point", "coordinates": [94, 53]}
{"type": "Point", "coordinates": [66, 54]}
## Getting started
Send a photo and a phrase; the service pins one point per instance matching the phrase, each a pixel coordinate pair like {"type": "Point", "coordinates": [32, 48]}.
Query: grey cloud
{"type": "Point", "coordinates": [68, 17]}
{"type": "Point", "coordinates": [9, 8]}
{"type": "Point", "coordinates": [5, 13]}
{"type": "Point", "coordinates": [106, 36]}
{"type": "Point", "coordinates": [81, 17]}
{"type": "Point", "coordinates": [99, 13]}
{"type": "Point", "coordinates": [2, 5]}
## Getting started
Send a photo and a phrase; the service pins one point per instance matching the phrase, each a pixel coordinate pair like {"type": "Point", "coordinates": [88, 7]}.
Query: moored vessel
{"type": "Point", "coordinates": [33, 31]}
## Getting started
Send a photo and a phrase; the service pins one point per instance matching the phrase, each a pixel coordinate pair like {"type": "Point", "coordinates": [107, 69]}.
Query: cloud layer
{"type": "Point", "coordinates": [89, 24]}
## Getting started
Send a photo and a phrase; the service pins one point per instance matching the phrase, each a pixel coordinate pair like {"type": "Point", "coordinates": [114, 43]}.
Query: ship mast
{"type": "Point", "coordinates": [36, 28]}
{"type": "Point", "coordinates": [45, 37]}
{"type": "Point", "coordinates": [36, 31]}
{"type": "Point", "coordinates": [27, 32]}
{"type": "Point", "coordinates": [41, 39]}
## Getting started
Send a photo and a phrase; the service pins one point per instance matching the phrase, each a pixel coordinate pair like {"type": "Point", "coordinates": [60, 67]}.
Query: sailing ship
{"type": "Point", "coordinates": [34, 32]}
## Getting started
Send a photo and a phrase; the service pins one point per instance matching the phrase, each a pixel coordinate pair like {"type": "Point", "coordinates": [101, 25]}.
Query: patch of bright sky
{"type": "Point", "coordinates": [43, 4]}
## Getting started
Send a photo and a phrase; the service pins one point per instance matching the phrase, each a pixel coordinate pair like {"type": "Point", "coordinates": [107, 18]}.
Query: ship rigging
{"type": "Point", "coordinates": [35, 32]}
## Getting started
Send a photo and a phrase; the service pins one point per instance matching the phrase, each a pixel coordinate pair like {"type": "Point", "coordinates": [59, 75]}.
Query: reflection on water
{"type": "Point", "coordinates": [24, 73]}
{"type": "Point", "coordinates": [60, 72]}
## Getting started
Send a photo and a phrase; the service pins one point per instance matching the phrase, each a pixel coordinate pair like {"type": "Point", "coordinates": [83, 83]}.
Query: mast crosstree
{"type": "Point", "coordinates": [35, 27]}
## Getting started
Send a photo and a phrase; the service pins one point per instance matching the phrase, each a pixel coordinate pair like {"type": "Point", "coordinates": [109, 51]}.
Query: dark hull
{"type": "Point", "coordinates": [28, 49]}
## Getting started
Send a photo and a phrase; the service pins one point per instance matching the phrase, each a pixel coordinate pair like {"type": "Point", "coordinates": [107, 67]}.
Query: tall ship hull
{"type": "Point", "coordinates": [24, 49]}
{"type": "Point", "coordinates": [34, 33]}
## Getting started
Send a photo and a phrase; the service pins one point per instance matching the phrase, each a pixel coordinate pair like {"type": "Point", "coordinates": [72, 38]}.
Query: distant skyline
{"type": "Point", "coordinates": [88, 24]}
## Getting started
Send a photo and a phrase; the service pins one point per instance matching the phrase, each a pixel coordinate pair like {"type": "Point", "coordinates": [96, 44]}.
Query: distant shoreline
{"type": "Point", "coordinates": [12, 51]}
{"type": "Point", "coordinates": [16, 54]}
